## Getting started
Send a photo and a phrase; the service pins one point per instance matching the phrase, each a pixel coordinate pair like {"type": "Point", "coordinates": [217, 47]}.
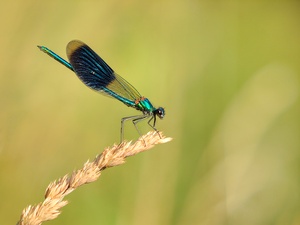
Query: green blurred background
{"type": "Point", "coordinates": [227, 73]}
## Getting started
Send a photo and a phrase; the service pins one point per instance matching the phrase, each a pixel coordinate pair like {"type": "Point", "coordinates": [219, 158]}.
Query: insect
{"type": "Point", "coordinates": [95, 73]}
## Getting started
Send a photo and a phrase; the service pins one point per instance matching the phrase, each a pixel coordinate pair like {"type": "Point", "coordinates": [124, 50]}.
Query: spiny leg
{"type": "Point", "coordinates": [133, 118]}
{"type": "Point", "coordinates": [136, 121]}
{"type": "Point", "coordinates": [153, 126]}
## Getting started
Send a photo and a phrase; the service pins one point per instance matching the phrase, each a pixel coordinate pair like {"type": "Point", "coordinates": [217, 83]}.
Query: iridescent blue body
{"type": "Point", "coordinates": [93, 71]}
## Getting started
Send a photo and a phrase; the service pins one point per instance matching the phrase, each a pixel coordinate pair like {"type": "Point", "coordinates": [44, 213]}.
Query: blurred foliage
{"type": "Point", "coordinates": [227, 73]}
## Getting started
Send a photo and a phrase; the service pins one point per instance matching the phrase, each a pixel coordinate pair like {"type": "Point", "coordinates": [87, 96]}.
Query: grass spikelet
{"type": "Point", "coordinates": [50, 208]}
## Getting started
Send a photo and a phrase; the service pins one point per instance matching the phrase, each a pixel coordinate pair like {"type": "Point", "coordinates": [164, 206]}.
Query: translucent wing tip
{"type": "Point", "coordinates": [73, 46]}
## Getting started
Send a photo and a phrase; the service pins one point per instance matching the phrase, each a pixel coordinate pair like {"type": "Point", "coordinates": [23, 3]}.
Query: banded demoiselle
{"type": "Point", "coordinates": [97, 75]}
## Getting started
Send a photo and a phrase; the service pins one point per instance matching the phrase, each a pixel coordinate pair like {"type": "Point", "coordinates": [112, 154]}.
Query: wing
{"type": "Point", "coordinates": [93, 71]}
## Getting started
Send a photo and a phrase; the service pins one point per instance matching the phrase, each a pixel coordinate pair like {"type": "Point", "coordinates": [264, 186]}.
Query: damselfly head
{"type": "Point", "coordinates": [160, 112]}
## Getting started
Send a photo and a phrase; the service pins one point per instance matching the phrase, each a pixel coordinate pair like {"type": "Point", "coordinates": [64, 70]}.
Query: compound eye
{"type": "Point", "coordinates": [161, 112]}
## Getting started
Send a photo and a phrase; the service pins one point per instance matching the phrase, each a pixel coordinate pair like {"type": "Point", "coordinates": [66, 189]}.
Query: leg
{"type": "Point", "coordinates": [153, 126]}
{"type": "Point", "coordinates": [135, 120]}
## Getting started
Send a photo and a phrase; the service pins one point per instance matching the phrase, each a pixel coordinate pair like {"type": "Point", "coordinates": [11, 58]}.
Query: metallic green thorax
{"type": "Point", "coordinates": [144, 105]}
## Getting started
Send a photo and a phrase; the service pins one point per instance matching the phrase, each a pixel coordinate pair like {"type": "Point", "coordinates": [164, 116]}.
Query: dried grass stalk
{"type": "Point", "coordinates": [49, 209]}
